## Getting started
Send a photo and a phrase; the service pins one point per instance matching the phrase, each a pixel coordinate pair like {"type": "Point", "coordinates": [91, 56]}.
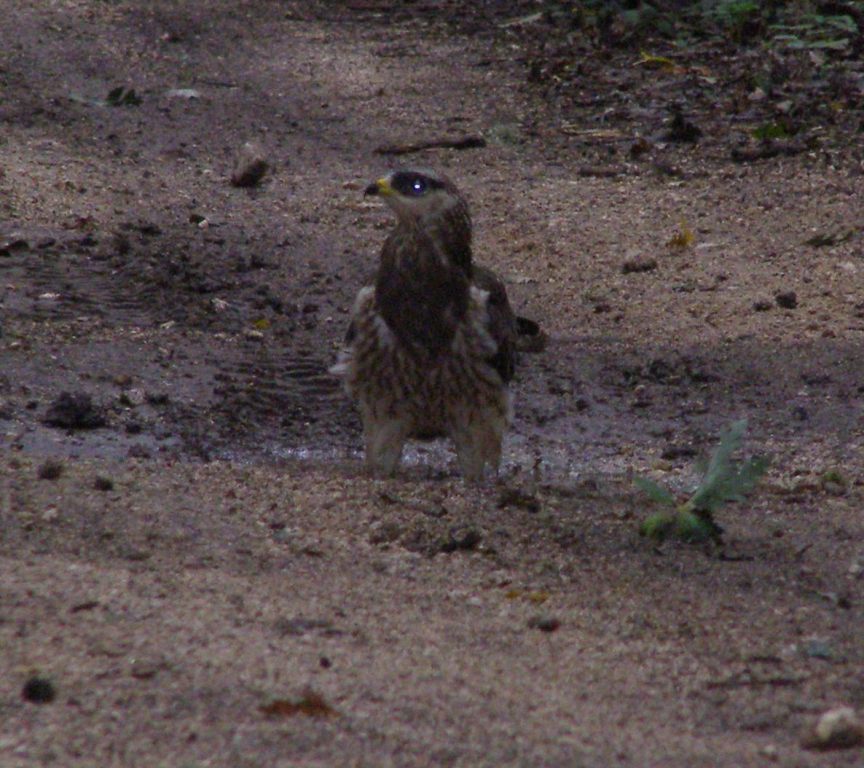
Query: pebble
{"type": "Point", "coordinates": [50, 470]}
{"type": "Point", "coordinates": [74, 411]}
{"type": "Point", "coordinates": [838, 728]}
{"type": "Point", "coordinates": [39, 690]}
{"type": "Point", "coordinates": [544, 623]}
{"type": "Point", "coordinates": [184, 93]}
{"type": "Point", "coordinates": [146, 668]}
{"type": "Point", "coordinates": [638, 264]}
{"type": "Point", "coordinates": [819, 649]}
{"type": "Point", "coordinates": [102, 483]}
{"type": "Point", "coordinates": [461, 538]}
{"type": "Point", "coordinates": [132, 397]}
{"type": "Point", "coordinates": [787, 299]}
{"type": "Point", "coordinates": [250, 165]}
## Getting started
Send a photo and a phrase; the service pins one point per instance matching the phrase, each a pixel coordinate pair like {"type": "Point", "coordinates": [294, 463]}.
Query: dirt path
{"type": "Point", "coordinates": [231, 553]}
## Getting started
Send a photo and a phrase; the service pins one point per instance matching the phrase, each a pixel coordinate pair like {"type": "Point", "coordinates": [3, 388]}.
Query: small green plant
{"type": "Point", "coordinates": [768, 131]}
{"type": "Point", "coordinates": [815, 31]}
{"type": "Point", "coordinates": [723, 480]}
{"type": "Point", "coordinates": [734, 14]}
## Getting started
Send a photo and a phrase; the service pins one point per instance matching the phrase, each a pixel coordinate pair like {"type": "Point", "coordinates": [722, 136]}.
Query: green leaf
{"type": "Point", "coordinates": [696, 528]}
{"type": "Point", "coordinates": [658, 527]}
{"type": "Point", "coordinates": [690, 527]}
{"type": "Point", "coordinates": [724, 480]}
{"type": "Point", "coordinates": [657, 493]}
{"type": "Point", "coordinates": [770, 131]}
{"type": "Point", "coordinates": [844, 23]}
{"type": "Point", "coordinates": [718, 465]}
{"type": "Point", "coordinates": [833, 45]}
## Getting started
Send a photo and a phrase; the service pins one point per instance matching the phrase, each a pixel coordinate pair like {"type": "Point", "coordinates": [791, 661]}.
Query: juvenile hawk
{"type": "Point", "coordinates": [431, 345]}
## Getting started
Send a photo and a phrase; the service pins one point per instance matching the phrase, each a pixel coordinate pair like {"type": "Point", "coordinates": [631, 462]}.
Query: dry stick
{"type": "Point", "coordinates": [465, 142]}
{"type": "Point", "coordinates": [768, 150]}
{"type": "Point", "coordinates": [741, 681]}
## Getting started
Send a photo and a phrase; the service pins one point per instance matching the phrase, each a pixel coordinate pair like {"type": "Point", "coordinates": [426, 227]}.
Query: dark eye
{"type": "Point", "coordinates": [411, 184]}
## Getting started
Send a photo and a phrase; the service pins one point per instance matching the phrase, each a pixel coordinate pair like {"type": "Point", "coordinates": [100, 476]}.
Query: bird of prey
{"type": "Point", "coordinates": [431, 345]}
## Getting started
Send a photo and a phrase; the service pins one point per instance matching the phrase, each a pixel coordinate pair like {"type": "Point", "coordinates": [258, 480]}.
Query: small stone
{"type": "Point", "coordinates": [516, 497]}
{"type": "Point", "coordinates": [461, 539]}
{"type": "Point", "coordinates": [544, 623]}
{"type": "Point", "coordinates": [838, 728]}
{"type": "Point", "coordinates": [74, 410]}
{"type": "Point", "coordinates": [681, 129]}
{"type": "Point", "coordinates": [787, 299]}
{"type": "Point", "coordinates": [145, 669]}
{"type": "Point", "coordinates": [187, 94]}
{"type": "Point", "coordinates": [819, 649]}
{"type": "Point", "coordinates": [249, 166]}
{"type": "Point", "coordinates": [638, 264]}
{"type": "Point", "coordinates": [601, 171]}
{"type": "Point", "coordinates": [39, 690]}
{"type": "Point", "coordinates": [137, 555]}
{"type": "Point", "coordinates": [762, 305]}
{"type": "Point", "coordinates": [132, 397]}
{"type": "Point", "coordinates": [757, 94]}
{"type": "Point", "coordinates": [50, 470]}
{"type": "Point", "coordinates": [102, 483]}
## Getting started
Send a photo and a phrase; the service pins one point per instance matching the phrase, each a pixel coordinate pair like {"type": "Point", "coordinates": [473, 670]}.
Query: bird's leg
{"type": "Point", "coordinates": [478, 444]}
{"type": "Point", "coordinates": [384, 441]}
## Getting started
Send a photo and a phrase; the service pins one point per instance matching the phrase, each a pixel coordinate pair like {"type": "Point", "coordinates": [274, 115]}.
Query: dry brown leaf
{"type": "Point", "coordinates": [311, 704]}
{"type": "Point", "coordinates": [683, 238]}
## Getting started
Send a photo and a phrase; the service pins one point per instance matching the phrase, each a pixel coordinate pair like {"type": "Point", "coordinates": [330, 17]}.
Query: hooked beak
{"type": "Point", "coordinates": [380, 187]}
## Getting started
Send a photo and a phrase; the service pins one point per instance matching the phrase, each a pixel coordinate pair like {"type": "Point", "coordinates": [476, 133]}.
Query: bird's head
{"type": "Point", "coordinates": [417, 195]}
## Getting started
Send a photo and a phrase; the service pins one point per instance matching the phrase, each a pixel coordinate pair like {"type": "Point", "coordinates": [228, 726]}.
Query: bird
{"type": "Point", "coordinates": [431, 346]}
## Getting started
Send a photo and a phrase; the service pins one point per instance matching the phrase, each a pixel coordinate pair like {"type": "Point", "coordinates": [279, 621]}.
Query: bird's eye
{"type": "Point", "coordinates": [411, 184]}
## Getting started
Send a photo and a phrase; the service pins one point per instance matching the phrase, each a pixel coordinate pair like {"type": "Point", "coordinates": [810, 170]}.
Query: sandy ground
{"type": "Point", "coordinates": [215, 547]}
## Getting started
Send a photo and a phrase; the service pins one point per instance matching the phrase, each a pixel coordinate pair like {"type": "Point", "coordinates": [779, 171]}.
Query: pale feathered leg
{"type": "Point", "coordinates": [384, 440]}
{"type": "Point", "coordinates": [478, 443]}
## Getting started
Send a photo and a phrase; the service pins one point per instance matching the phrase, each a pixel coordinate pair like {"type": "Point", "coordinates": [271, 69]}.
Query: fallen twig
{"type": "Point", "coordinates": [768, 149]}
{"type": "Point", "coordinates": [464, 142]}
{"type": "Point", "coordinates": [746, 681]}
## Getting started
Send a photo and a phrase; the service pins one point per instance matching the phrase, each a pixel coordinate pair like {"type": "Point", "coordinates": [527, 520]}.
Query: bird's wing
{"type": "Point", "coordinates": [502, 323]}
{"type": "Point", "coordinates": [528, 335]}
{"type": "Point", "coordinates": [362, 319]}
